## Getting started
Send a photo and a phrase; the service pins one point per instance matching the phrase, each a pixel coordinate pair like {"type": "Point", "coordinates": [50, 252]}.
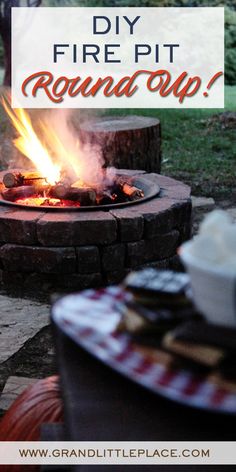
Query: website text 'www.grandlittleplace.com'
{"type": "Point", "coordinates": [118, 452]}
{"type": "Point", "coordinates": [115, 453]}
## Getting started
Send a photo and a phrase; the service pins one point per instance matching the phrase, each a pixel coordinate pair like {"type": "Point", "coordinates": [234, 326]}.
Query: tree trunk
{"type": "Point", "coordinates": [127, 142]}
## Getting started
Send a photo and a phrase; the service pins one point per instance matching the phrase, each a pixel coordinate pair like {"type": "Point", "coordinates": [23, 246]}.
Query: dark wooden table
{"type": "Point", "coordinates": [100, 405]}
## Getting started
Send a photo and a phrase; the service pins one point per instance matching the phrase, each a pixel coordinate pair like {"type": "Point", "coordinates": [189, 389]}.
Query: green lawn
{"type": "Point", "coordinates": [197, 150]}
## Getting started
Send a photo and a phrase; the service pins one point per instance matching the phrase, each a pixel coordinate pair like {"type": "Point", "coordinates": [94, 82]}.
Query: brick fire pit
{"type": "Point", "coordinates": [42, 250]}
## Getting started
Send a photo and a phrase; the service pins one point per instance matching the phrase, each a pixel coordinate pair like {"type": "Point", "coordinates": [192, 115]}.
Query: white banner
{"type": "Point", "coordinates": [115, 453]}
{"type": "Point", "coordinates": [118, 57]}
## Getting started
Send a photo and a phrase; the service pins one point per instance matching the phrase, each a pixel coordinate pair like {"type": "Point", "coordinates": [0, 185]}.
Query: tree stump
{"type": "Point", "coordinates": [127, 142]}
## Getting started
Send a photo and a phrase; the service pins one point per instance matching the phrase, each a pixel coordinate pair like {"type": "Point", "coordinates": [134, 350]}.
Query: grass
{"type": "Point", "coordinates": [196, 149]}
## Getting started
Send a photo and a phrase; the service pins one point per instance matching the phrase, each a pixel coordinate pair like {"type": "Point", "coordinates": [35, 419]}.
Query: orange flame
{"type": "Point", "coordinates": [55, 149]}
{"type": "Point", "coordinates": [30, 145]}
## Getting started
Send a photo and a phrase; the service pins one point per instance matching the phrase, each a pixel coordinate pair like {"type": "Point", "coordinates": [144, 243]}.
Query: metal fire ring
{"type": "Point", "coordinates": [150, 189]}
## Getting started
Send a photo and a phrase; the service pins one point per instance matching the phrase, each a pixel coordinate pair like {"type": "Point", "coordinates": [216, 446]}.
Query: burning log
{"type": "Point", "coordinates": [85, 196]}
{"type": "Point", "coordinates": [106, 198]}
{"type": "Point", "coordinates": [130, 190]}
{"type": "Point", "coordinates": [12, 194]}
{"type": "Point", "coordinates": [59, 191]}
{"type": "Point", "coordinates": [12, 179]}
{"type": "Point", "coordinates": [17, 179]}
{"type": "Point", "coordinates": [24, 191]}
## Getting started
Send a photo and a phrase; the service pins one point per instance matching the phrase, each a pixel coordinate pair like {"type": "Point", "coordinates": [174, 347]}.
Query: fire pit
{"type": "Point", "coordinates": [71, 223]}
{"type": "Point", "coordinates": [43, 250]}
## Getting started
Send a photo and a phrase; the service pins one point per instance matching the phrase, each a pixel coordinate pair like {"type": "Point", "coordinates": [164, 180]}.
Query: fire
{"type": "Point", "coordinates": [30, 145]}
{"type": "Point", "coordinates": [53, 147]}
{"type": "Point", "coordinates": [42, 201]}
{"type": "Point", "coordinates": [68, 172]}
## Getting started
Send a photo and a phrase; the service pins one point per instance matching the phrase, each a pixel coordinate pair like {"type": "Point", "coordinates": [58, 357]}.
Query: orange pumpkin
{"type": "Point", "coordinates": [40, 403]}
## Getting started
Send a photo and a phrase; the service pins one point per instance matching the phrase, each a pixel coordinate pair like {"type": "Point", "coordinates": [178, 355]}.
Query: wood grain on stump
{"type": "Point", "coordinates": [128, 142]}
